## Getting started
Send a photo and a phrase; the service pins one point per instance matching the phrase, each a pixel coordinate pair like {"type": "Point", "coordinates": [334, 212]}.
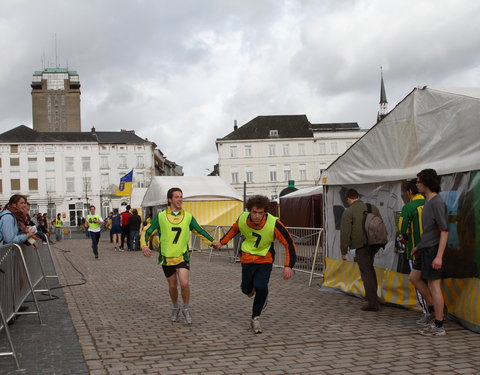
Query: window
{"type": "Point", "coordinates": [249, 176]}
{"type": "Point", "coordinates": [334, 148]}
{"type": "Point", "coordinates": [69, 164]}
{"type": "Point", "coordinates": [14, 162]}
{"type": "Point", "coordinates": [14, 149]}
{"type": "Point", "coordinates": [50, 183]}
{"type": "Point", "coordinates": [85, 147]}
{"type": "Point", "coordinates": [122, 162]}
{"type": "Point", "coordinates": [104, 181]}
{"type": "Point", "coordinates": [140, 163]}
{"type": "Point", "coordinates": [287, 174]}
{"type": "Point", "coordinates": [33, 184]}
{"type": "Point", "coordinates": [322, 148]}
{"type": "Point", "coordinates": [234, 177]}
{"type": "Point", "coordinates": [15, 184]}
{"type": "Point", "coordinates": [104, 162]}
{"type": "Point", "coordinates": [49, 164]}
{"type": "Point", "coordinates": [286, 149]}
{"type": "Point", "coordinates": [33, 209]}
{"type": "Point", "coordinates": [273, 133]}
{"type": "Point", "coordinates": [302, 169]}
{"type": "Point", "coordinates": [233, 151]}
{"type": "Point", "coordinates": [70, 184]}
{"type": "Point", "coordinates": [248, 150]}
{"type": "Point", "coordinates": [273, 173]}
{"type": "Point", "coordinates": [140, 179]}
{"type": "Point", "coordinates": [139, 147]}
{"type": "Point", "coordinates": [32, 164]}
{"type": "Point", "coordinates": [301, 149]}
{"type": "Point", "coordinates": [271, 150]}
{"type": "Point", "coordinates": [85, 163]}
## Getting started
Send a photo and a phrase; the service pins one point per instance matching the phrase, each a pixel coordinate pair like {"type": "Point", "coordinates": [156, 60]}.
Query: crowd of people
{"type": "Point", "coordinates": [423, 226]}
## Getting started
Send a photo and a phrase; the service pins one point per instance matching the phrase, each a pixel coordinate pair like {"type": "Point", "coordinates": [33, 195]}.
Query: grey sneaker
{"type": "Point", "coordinates": [432, 330]}
{"type": "Point", "coordinates": [175, 313]}
{"type": "Point", "coordinates": [256, 327]}
{"type": "Point", "coordinates": [187, 315]}
{"type": "Point", "coordinates": [426, 319]}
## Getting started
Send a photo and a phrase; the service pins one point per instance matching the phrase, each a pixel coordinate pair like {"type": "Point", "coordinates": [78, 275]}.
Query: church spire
{"type": "Point", "coordinates": [383, 99]}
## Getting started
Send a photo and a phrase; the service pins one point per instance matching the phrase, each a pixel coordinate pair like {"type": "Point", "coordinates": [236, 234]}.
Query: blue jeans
{"type": "Point", "coordinates": [256, 276]}
{"type": "Point", "coordinates": [58, 233]}
{"type": "Point", "coordinates": [134, 240]}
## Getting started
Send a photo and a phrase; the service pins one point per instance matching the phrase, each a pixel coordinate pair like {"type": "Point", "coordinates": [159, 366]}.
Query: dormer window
{"type": "Point", "coordinates": [273, 133]}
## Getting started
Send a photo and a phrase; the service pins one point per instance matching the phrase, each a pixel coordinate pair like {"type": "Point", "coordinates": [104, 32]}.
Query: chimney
{"type": "Point", "coordinates": [235, 127]}
{"type": "Point", "coordinates": [93, 130]}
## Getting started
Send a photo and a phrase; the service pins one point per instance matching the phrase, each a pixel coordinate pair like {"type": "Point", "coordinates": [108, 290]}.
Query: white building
{"type": "Point", "coordinates": [65, 172]}
{"type": "Point", "coordinates": [269, 151]}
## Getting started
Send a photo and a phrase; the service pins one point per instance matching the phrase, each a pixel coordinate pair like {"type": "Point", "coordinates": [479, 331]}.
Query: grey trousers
{"type": "Point", "coordinates": [364, 257]}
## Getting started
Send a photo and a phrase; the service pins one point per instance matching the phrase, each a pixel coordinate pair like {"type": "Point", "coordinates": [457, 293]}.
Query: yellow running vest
{"type": "Point", "coordinates": [257, 242]}
{"type": "Point", "coordinates": [91, 223]}
{"type": "Point", "coordinates": [58, 223]}
{"type": "Point", "coordinates": [174, 237]}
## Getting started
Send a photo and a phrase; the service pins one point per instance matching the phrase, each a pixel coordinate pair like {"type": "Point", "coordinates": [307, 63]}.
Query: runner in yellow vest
{"type": "Point", "coordinates": [58, 227]}
{"type": "Point", "coordinates": [94, 222]}
{"type": "Point", "coordinates": [260, 230]}
{"type": "Point", "coordinates": [174, 225]}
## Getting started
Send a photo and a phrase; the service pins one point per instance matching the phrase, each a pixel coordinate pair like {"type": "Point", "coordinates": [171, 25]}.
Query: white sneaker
{"type": "Point", "coordinates": [256, 327]}
{"type": "Point", "coordinates": [432, 330]}
{"type": "Point", "coordinates": [175, 313]}
{"type": "Point", "coordinates": [187, 315]}
{"type": "Point", "coordinates": [426, 319]}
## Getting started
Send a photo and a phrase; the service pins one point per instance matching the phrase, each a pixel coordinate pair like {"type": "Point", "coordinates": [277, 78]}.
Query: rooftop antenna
{"type": "Point", "coordinates": [43, 59]}
{"type": "Point", "coordinates": [56, 57]}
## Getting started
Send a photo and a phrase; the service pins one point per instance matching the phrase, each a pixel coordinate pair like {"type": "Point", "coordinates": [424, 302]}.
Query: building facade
{"type": "Point", "coordinates": [56, 100]}
{"type": "Point", "coordinates": [269, 151]}
{"type": "Point", "coordinates": [65, 172]}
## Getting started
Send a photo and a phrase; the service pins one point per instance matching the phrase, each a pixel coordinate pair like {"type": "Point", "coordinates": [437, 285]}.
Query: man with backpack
{"type": "Point", "coordinates": [358, 219]}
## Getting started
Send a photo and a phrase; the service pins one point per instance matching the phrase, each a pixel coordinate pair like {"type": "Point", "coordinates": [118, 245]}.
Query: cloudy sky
{"type": "Point", "coordinates": [180, 72]}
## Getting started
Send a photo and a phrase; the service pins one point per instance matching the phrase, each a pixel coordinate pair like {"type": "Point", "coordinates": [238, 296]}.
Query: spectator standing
{"type": "Point", "coordinates": [58, 223]}
{"type": "Point", "coordinates": [134, 224]}
{"type": "Point", "coordinates": [431, 249]}
{"type": "Point", "coordinates": [13, 219]}
{"type": "Point", "coordinates": [352, 236]}
{"type": "Point", "coordinates": [125, 231]}
{"type": "Point", "coordinates": [116, 229]}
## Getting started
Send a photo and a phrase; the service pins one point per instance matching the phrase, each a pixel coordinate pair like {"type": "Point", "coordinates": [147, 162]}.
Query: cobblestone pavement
{"type": "Point", "coordinates": [121, 317]}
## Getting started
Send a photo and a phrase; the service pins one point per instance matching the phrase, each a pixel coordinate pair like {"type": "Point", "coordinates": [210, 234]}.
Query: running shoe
{"type": "Point", "coordinates": [251, 294]}
{"type": "Point", "coordinates": [175, 313]}
{"type": "Point", "coordinates": [256, 327]}
{"type": "Point", "coordinates": [187, 316]}
{"type": "Point", "coordinates": [426, 319]}
{"type": "Point", "coordinates": [432, 330]}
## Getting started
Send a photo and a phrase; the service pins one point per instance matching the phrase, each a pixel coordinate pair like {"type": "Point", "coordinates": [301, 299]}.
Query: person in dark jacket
{"type": "Point", "coordinates": [134, 224]}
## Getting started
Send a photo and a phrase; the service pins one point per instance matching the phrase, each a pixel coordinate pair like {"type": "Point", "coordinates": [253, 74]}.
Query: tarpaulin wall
{"type": "Point", "coordinates": [461, 284]}
{"type": "Point", "coordinates": [214, 212]}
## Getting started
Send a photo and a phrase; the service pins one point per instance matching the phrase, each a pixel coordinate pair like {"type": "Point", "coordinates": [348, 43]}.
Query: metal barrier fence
{"type": "Point", "coordinates": [308, 243]}
{"type": "Point", "coordinates": [21, 271]}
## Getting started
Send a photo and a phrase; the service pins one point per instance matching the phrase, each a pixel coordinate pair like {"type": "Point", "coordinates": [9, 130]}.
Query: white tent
{"type": "Point", "coordinates": [435, 128]}
{"type": "Point", "coordinates": [209, 198]}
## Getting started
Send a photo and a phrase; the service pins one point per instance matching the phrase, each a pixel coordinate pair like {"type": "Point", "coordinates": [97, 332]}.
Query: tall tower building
{"type": "Point", "coordinates": [56, 100]}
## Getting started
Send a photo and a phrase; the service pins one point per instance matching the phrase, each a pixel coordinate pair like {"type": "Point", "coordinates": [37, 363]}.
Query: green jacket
{"type": "Point", "coordinates": [410, 222]}
{"type": "Point", "coordinates": [352, 235]}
